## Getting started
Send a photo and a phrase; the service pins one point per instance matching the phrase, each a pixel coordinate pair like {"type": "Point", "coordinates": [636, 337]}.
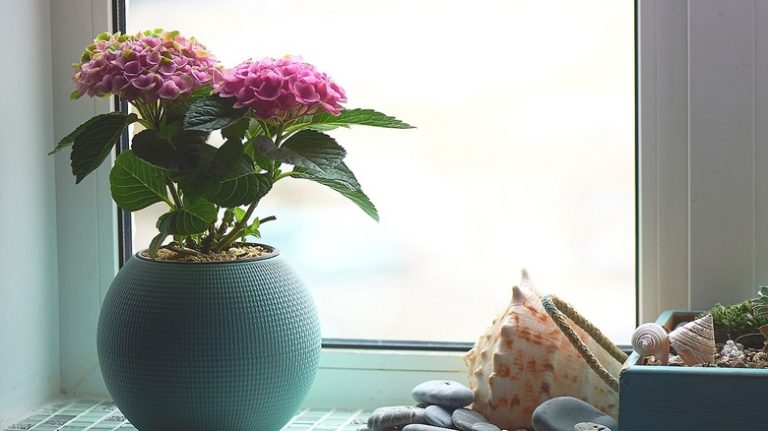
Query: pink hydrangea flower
{"type": "Point", "coordinates": [281, 89]}
{"type": "Point", "coordinates": [147, 66]}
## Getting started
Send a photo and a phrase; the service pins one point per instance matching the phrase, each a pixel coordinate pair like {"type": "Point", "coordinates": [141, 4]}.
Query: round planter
{"type": "Point", "coordinates": [208, 346]}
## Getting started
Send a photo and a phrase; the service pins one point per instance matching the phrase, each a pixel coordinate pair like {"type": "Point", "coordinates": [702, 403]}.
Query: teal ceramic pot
{"type": "Point", "coordinates": [208, 346]}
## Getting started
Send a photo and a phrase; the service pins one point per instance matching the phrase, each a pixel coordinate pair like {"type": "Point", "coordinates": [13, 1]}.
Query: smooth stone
{"type": "Point", "coordinates": [385, 418]}
{"type": "Point", "coordinates": [420, 427]}
{"type": "Point", "coordinates": [464, 419]}
{"type": "Point", "coordinates": [485, 426]}
{"type": "Point", "coordinates": [563, 413]}
{"type": "Point", "coordinates": [589, 426]}
{"type": "Point", "coordinates": [438, 416]}
{"type": "Point", "coordinates": [446, 393]}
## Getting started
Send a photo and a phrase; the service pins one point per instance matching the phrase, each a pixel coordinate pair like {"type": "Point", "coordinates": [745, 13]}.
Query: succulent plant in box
{"type": "Point", "coordinates": [734, 321]}
{"type": "Point", "coordinates": [209, 345]}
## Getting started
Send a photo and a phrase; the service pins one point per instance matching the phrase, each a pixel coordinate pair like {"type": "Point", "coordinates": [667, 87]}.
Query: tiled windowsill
{"type": "Point", "coordinates": [80, 415]}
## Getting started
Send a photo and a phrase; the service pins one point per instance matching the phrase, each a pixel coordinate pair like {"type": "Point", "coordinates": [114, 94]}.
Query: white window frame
{"type": "Point", "coordinates": [686, 256]}
{"type": "Point", "coordinates": [702, 93]}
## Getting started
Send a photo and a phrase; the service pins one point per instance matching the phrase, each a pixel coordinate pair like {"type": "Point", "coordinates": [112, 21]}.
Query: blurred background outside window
{"type": "Point", "coordinates": [523, 156]}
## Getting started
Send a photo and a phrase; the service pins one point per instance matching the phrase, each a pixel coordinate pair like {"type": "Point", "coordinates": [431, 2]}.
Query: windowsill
{"type": "Point", "coordinates": [74, 414]}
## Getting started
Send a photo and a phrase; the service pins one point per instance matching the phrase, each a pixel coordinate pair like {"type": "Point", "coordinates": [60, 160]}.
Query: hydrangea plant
{"type": "Point", "coordinates": [272, 115]}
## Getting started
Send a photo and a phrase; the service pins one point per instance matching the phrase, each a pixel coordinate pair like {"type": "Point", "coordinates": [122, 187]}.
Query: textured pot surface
{"type": "Point", "coordinates": [209, 347]}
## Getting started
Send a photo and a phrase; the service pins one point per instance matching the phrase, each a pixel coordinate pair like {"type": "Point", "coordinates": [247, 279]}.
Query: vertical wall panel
{"type": "Point", "coordinates": [85, 213]}
{"type": "Point", "coordinates": [761, 144]}
{"type": "Point", "coordinates": [672, 137]}
{"type": "Point", "coordinates": [711, 204]}
{"type": "Point", "coordinates": [721, 82]}
{"type": "Point", "coordinates": [29, 312]}
{"type": "Point", "coordinates": [648, 238]}
{"type": "Point", "coordinates": [663, 99]}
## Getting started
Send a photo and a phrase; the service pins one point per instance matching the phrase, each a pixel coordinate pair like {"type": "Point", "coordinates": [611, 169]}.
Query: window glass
{"type": "Point", "coordinates": [523, 156]}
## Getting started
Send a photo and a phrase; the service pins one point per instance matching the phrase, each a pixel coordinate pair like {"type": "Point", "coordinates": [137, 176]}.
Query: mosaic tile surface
{"type": "Point", "coordinates": [103, 415]}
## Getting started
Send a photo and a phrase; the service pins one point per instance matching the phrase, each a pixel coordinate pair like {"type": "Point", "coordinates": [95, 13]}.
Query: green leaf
{"type": "Point", "coordinates": [94, 142]}
{"type": "Point", "coordinates": [364, 117]}
{"type": "Point", "coordinates": [190, 144]}
{"type": "Point", "coordinates": [251, 230]}
{"type": "Point", "coordinates": [154, 148]}
{"type": "Point", "coordinates": [69, 139]}
{"type": "Point", "coordinates": [192, 217]}
{"type": "Point", "coordinates": [236, 130]}
{"type": "Point", "coordinates": [307, 149]}
{"type": "Point", "coordinates": [241, 186]}
{"type": "Point", "coordinates": [135, 184]}
{"type": "Point", "coordinates": [250, 151]}
{"type": "Point", "coordinates": [223, 160]}
{"type": "Point", "coordinates": [239, 214]}
{"type": "Point", "coordinates": [341, 179]}
{"type": "Point", "coordinates": [212, 113]}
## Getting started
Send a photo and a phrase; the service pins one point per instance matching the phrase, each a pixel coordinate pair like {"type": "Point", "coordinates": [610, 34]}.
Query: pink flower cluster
{"type": "Point", "coordinates": [148, 66]}
{"type": "Point", "coordinates": [281, 89]}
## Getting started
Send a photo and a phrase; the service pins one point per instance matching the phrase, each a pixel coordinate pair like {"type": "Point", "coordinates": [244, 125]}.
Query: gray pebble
{"type": "Point", "coordinates": [419, 427]}
{"type": "Point", "coordinates": [485, 426]}
{"type": "Point", "coordinates": [590, 426]}
{"type": "Point", "coordinates": [438, 416]}
{"type": "Point", "coordinates": [385, 418]}
{"type": "Point", "coordinates": [446, 393]}
{"type": "Point", "coordinates": [563, 413]}
{"type": "Point", "coordinates": [464, 419]}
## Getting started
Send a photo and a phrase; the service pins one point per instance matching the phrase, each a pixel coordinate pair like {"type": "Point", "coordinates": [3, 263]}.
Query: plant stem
{"type": "Point", "coordinates": [174, 194]}
{"type": "Point", "coordinates": [266, 219]}
{"type": "Point", "coordinates": [225, 222]}
{"type": "Point", "coordinates": [237, 228]}
{"type": "Point", "coordinates": [180, 249]}
{"type": "Point", "coordinates": [205, 244]}
{"type": "Point", "coordinates": [283, 175]}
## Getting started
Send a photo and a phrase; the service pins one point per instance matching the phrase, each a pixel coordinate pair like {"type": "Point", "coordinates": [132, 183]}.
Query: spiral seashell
{"type": "Point", "coordinates": [523, 359]}
{"type": "Point", "coordinates": [650, 339]}
{"type": "Point", "coordinates": [695, 341]}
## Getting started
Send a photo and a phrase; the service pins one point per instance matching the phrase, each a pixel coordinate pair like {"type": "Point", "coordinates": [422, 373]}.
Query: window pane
{"type": "Point", "coordinates": [523, 156]}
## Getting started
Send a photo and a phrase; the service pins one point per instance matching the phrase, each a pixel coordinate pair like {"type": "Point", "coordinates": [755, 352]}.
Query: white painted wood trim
{"type": "Point", "coordinates": [703, 158]}
{"type": "Point", "coordinates": [663, 154]}
{"type": "Point", "coordinates": [367, 379]}
{"type": "Point", "coordinates": [86, 216]}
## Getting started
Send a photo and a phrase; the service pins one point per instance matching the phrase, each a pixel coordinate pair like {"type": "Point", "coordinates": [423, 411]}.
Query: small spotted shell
{"type": "Point", "coordinates": [650, 339]}
{"type": "Point", "coordinates": [695, 341]}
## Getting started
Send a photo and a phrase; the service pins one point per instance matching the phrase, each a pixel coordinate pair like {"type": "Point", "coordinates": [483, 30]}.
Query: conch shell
{"type": "Point", "coordinates": [524, 359]}
{"type": "Point", "coordinates": [650, 339]}
{"type": "Point", "coordinates": [695, 341]}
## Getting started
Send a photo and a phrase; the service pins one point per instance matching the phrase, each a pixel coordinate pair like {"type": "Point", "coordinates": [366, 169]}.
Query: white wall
{"type": "Point", "coordinates": [704, 152]}
{"type": "Point", "coordinates": [29, 301]}
{"type": "Point", "coordinates": [86, 216]}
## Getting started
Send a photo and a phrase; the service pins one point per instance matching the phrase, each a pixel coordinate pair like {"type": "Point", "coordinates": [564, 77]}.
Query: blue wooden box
{"type": "Point", "coordinates": [663, 398]}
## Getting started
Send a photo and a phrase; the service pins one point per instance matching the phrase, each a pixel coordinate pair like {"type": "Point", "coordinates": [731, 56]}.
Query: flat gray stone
{"type": "Point", "coordinates": [590, 426]}
{"type": "Point", "coordinates": [563, 413]}
{"type": "Point", "coordinates": [485, 426]}
{"type": "Point", "coordinates": [438, 416]}
{"type": "Point", "coordinates": [386, 418]}
{"type": "Point", "coordinates": [419, 427]}
{"type": "Point", "coordinates": [445, 393]}
{"type": "Point", "coordinates": [464, 419]}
